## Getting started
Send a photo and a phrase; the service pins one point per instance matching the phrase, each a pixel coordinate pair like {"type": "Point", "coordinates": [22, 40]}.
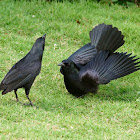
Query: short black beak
{"type": "Point", "coordinates": [61, 64]}
{"type": "Point", "coordinates": [44, 36]}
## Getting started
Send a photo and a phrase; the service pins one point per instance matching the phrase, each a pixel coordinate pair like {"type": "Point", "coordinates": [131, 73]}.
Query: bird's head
{"type": "Point", "coordinates": [68, 66]}
{"type": "Point", "coordinates": [39, 44]}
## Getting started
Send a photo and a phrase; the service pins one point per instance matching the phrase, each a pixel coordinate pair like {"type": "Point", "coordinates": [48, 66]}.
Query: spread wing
{"type": "Point", "coordinates": [103, 37]}
{"type": "Point", "coordinates": [83, 55]}
{"type": "Point", "coordinates": [104, 67]}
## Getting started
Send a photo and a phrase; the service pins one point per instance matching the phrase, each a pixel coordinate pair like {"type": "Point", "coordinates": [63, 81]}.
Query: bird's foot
{"type": "Point", "coordinates": [15, 100]}
{"type": "Point", "coordinates": [30, 104]}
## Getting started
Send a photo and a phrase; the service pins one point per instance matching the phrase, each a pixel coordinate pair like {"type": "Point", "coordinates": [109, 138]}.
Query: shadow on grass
{"type": "Point", "coordinates": [62, 100]}
{"type": "Point", "coordinates": [67, 103]}
{"type": "Point", "coordinates": [121, 94]}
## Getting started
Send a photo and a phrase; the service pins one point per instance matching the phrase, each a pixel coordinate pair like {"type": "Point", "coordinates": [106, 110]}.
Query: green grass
{"type": "Point", "coordinates": [112, 114]}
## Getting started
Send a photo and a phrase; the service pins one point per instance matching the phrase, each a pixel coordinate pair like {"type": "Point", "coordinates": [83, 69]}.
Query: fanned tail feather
{"type": "Point", "coordinates": [109, 67]}
{"type": "Point", "coordinates": [106, 37]}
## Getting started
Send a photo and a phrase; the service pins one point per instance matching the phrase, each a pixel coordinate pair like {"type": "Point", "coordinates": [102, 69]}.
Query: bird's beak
{"type": "Point", "coordinates": [44, 36]}
{"type": "Point", "coordinates": [61, 64]}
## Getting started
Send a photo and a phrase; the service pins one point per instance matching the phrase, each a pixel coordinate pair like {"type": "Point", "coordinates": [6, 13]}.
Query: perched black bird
{"type": "Point", "coordinates": [24, 72]}
{"type": "Point", "coordinates": [96, 63]}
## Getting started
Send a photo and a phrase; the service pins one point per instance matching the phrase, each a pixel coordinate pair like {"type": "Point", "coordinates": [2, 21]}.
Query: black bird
{"type": "Point", "coordinates": [96, 63]}
{"type": "Point", "coordinates": [24, 72]}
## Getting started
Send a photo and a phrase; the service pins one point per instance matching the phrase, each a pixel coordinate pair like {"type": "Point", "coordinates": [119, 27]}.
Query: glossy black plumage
{"type": "Point", "coordinates": [24, 72]}
{"type": "Point", "coordinates": [96, 63]}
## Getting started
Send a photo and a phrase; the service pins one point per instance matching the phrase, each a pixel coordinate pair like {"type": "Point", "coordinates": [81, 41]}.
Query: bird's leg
{"type": "Point", "coordinates": [16, 94]}
{"type": "Point", "coordinates": [29, 100]}
{"type": "Point", "coordinates": [27, 95]}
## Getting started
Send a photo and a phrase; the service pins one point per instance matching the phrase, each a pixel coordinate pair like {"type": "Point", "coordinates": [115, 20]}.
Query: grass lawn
{"type": "Point", "coordinates": [112, 114]}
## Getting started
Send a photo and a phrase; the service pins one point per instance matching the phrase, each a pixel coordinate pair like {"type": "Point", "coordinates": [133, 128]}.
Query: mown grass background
{"type": "Point", "coordinates": [110, 114]}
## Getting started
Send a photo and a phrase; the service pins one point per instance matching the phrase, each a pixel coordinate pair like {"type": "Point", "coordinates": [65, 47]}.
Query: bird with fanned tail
{"type": "Point", "coordinates": [97, 62]}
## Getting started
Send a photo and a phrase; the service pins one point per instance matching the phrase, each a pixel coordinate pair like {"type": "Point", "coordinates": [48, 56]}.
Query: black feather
{"type": "Point", "coordinates": [103, 37]}
{"type": "Point", "coordinates": [112, 67]}
{"type": "Point", "coordinates": [96, 63]}
{"type": "Point", "coordinates": [24, 72]}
